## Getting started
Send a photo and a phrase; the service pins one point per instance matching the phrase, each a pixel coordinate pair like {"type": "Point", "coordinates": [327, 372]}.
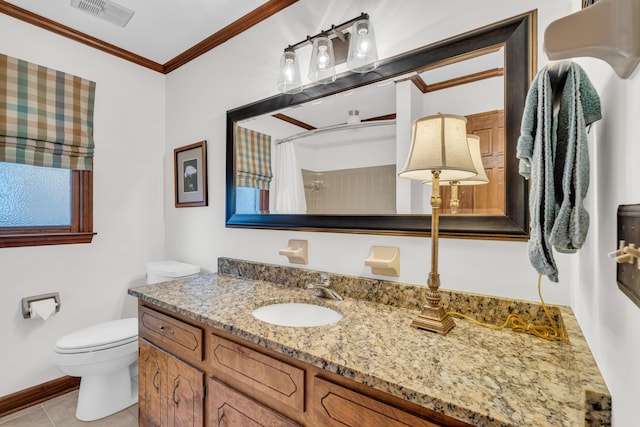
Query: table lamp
{"type": "Point", "coordinates": [439, 151]}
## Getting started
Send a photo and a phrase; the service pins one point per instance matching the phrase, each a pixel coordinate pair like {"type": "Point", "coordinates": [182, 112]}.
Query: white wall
{"type": "Point", "coordinates": [128, 198]}
{"type": "Point", "coordinates": [243, 70]}
{"type": "Point", "coordinates": [610, 320]}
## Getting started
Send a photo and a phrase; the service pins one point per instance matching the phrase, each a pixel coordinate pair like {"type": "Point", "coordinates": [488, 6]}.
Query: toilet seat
{"type": "Point", "coordinates": [89, 349]}
{"type": "Point", "coordinates": [98, 337]}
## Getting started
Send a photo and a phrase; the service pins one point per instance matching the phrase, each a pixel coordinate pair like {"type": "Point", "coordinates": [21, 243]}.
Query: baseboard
{"type": "Point", "coordinates": [32, 396]}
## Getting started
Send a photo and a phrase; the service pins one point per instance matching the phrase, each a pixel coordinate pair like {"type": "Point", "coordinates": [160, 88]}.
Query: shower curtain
{"type": "Point", "coordinates": [289, 188]}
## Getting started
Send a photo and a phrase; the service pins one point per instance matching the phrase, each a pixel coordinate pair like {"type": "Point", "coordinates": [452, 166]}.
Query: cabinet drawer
{"type": "Point", "coordinates": [335, 405]}
{"type": "Point", "coordinates": [173, 335]}
{"type": "Point", "coordinates": [227, 407]}
{"type": "Point", "coordinates": [263, 376]}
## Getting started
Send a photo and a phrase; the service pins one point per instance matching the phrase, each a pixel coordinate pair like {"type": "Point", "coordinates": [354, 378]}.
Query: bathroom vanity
{"type": "Point", "coordinates": [205, 360]}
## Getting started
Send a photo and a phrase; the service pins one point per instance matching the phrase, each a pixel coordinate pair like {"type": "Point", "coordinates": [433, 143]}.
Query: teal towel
{"type": "Point", "coordinates": [553, 153]}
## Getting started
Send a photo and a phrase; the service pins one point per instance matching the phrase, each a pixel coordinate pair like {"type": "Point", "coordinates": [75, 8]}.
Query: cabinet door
{"type": "Point", "coordinates": [185, 394]}
{"type": "Point", "coordinates": [338, 406]}
{"type": "Point", "coordinates": [152, 386]}
{"type": "Point", "coordinates": [229, 408]}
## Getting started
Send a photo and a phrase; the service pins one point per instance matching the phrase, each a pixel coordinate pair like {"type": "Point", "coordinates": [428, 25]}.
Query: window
{"type": "Point", "coordinates": [46, 155]}
{"type": "Point", "coordinates": [34, 196]}
{"type": "Point", "coordinates": [44, 206]}
{"type": "Point", "coordinates": [251, 200]}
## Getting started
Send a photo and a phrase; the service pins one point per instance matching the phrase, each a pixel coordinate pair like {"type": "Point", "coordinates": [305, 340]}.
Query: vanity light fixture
{"type": "Point", "coordinates": [352, 42]}
{"type": "Point", "coordinates": [479, 179]}
{"type": "Point", "coordinates": [439, 150]}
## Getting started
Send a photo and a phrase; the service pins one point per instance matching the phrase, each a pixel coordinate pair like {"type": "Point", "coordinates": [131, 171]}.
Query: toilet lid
{"type": "Point", "coordinates": [114, 332]}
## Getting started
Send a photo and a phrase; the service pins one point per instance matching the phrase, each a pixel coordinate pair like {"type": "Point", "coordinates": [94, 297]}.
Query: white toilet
{"type": "Point", "coordinates": [105, 356]}
{"type": "Point", "coordinates": [164, 271]}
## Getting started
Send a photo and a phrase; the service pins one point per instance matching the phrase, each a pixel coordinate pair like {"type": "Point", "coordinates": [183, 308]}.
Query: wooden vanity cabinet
{"type": "Point", "coordinates": [170, 388]}
{"type": "Point", "coordinates": [339, 406]}
{"type": "Point", "coordinates": [170, 391]}
{"type": "Point", "coordinates": [249, 385]}
{"type": "Point", "coordinates": [256, 374]}
{"type": "Point", "coordinates": [152, 385]}
{"type": "Point", "coordinates": [186, 396]}
{"type": "Point", "coordinates": [229, 408]}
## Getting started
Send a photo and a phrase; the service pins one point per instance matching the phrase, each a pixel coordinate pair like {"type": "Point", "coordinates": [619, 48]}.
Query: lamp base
{"type": "Point", "coordinates": [434, 319]}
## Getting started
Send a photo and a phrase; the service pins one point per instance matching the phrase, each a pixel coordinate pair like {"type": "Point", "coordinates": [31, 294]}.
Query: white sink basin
{"type": "Point", "coordinates": [296, 314]}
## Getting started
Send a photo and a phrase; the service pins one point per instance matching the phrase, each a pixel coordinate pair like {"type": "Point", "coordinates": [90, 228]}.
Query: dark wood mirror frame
{"type": "Point", "coordinates": [518, 36]}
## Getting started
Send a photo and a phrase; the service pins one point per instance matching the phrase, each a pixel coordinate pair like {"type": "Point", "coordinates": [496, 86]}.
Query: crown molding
{"type": "Point", "coordinates": [247, 21]}
{"type": "Point", "coordinates": [268, 9]}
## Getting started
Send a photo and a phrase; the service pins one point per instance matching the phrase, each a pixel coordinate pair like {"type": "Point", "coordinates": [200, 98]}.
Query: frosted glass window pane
{"type": "Point", "coordinates": [34, 196]}
{"type": "Point", "coordinates": [247, 200]}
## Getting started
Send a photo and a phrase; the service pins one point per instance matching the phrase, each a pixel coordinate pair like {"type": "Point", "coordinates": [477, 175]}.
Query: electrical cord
{"type": "Point", "coordinates": [518, 324]}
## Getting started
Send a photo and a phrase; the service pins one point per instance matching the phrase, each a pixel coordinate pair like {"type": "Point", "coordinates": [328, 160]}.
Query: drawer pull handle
{"type": "Point", "coordinates": [163, 329]}
{"type": "Point", "coordinates": [175, 388]}
{"type": "Point", "coordinates": [154, 378]}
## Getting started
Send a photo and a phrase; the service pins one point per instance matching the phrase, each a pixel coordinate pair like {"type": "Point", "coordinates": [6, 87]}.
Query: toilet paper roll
{"type": "Point", "coordinates": [42, 309]}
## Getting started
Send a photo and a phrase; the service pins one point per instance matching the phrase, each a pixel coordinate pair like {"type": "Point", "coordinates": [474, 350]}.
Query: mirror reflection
{"type": "Point", "coordinates": [341, 154]}
{"type": "Point", "coordinates": [327, 159]}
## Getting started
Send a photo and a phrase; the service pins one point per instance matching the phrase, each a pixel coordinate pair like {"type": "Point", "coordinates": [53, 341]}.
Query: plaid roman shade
{"type": "Point", "coordinates": [46, 116]}
{"type": "Point", "coordinates": [253, 159]}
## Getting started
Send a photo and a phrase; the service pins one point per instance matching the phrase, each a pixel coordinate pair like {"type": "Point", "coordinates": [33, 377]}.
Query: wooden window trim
{"type": "Point", "coordinates": [264, 202]}
{"type": "Point", "coordinates": [80, 231]}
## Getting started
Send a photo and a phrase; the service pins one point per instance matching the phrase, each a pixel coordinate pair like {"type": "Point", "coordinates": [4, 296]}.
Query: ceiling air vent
{"type": "Point", "coordinates": [106, 10]}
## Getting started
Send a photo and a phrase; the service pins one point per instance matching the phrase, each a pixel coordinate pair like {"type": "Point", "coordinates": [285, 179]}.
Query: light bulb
{"type": "Point", "coordinates": [363, 47]}
{"type": "Point", "coordinates": [322, 67]}
{"type": "Point", "coordinates": [323, 57]}
{"type": "Point", "coordinates": [289, 72]}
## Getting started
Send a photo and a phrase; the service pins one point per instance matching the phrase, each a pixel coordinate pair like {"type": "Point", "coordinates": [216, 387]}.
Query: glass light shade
{"type": "Point", "coordinates": [439, 143]}
{"type": "Point", "coordinates": [363, 52]}
{"type": "Point", "coordinates": [289, 80]}
{"type": "Point", "coordinates": [322, 68]}
{"type": "Point", "coordinates": [476, 157]}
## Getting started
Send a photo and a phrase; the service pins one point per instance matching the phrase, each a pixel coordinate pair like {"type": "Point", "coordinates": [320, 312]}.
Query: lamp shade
{"type": "Point", "coordinates": [363, 52]}
{"type": "Point", "coordinates": [476, 157]}
{"type": "Point", "coordinates": [289, 80]}
{"type": "Point", "coordinates": [439, 143]}
{"type": "Point", "coordinates": [322, 68]}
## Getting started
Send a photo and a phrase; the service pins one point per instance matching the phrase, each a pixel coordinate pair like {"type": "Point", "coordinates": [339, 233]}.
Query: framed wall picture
{"type": "Point", "coordinates": [190, 175]}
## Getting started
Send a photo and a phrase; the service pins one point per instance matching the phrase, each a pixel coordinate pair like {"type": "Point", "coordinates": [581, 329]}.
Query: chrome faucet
{"type": "Point", "coordinates": [322, 289]}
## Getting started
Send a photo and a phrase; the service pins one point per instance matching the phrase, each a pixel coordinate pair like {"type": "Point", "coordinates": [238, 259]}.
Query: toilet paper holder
{"type": "Point", "coordinates": [26, 302]}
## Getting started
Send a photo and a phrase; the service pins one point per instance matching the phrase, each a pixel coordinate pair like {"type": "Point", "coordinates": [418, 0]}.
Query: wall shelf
{"type": "Point", "coordinates": [606, 30]}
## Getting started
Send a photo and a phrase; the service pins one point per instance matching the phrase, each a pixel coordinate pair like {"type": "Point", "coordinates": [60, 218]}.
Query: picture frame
{"type": "Point", "coordinates": [190, 175]}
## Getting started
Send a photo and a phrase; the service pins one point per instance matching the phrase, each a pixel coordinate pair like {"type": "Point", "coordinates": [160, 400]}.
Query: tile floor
{"type": "Point", "coordinates": [60, 412]}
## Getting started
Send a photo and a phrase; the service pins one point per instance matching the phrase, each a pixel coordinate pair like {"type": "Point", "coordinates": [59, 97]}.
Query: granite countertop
{"type": "Point", "coordinates": [474, 374]}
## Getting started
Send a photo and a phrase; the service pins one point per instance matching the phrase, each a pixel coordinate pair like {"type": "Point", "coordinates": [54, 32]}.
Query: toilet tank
{"type": "Point", "coordinates": [163, 271]}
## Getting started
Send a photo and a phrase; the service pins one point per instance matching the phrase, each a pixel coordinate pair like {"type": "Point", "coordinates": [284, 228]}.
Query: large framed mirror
{"type": "Point", "coordinates": [350, 139]}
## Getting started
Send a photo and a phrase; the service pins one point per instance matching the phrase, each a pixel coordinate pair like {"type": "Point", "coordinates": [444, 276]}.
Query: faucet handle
{"type": "Point", "coordinates": [324, 279]}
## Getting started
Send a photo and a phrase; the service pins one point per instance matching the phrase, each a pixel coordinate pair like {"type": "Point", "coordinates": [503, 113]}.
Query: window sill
{"type": "Point", "coordinates": [18, 240]}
